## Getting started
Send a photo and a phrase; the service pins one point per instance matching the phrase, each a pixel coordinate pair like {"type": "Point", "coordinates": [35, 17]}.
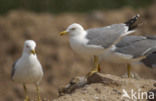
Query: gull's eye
{"type": "Point", "coordinates": [27, 46]}
{"type": "Point", "coordinates": [72, 28]}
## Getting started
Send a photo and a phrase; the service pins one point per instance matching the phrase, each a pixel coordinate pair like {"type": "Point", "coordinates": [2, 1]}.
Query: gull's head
{"type": "Point", "coordinates": [73, 30]}
{"type": "Point", "coordinates": [29, 47]}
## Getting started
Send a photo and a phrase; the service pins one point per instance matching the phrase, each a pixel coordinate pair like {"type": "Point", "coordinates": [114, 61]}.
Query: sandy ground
{"type": "Point", "coordinates": [59, 62]}
{"type": "Point", "coordinates": [113, 90]}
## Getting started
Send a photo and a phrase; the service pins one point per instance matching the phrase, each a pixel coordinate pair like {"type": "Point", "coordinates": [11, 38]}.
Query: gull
{"type": "Point", "coordinates": [95, 41]}
{"type": "Point", "coordinates": [133, 49]}
{"type": "Point", "coordinates": [27, 69]}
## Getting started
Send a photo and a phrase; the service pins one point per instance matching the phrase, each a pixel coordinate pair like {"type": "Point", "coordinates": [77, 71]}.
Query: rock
{"type": "Point", "coordinates": [100, 87]}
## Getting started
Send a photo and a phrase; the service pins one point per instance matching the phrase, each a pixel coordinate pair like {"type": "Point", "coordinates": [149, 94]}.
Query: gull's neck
{"type": "Point", "coordinates": [78, 39]}
{"type": "Point", "coordinates": [79, 35]}
{"type": "Point", "coordinates": [25, 54]}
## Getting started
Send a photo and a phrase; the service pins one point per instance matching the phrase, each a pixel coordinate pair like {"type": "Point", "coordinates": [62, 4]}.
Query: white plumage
{"type": "Point", "coordinates": [27, 69]}
{"type": "Point", "coordinates": [98, 41]}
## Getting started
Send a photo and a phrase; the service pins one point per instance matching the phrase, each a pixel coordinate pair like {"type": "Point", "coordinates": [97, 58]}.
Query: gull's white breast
{"type": "Point", "coordinates": [28, 70]}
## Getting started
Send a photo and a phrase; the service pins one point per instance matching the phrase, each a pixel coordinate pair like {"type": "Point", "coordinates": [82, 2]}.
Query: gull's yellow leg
{"type": "Point", "coordinates": [99, 68]}
{"type": "Point", "coordinates": [129, 70]}
{"type": "Point", "coordinates": [26, 93]}
{"type": "Point", "coordinates": [38, 93]}
{"type": "Point", "coordinates": [96, 67]}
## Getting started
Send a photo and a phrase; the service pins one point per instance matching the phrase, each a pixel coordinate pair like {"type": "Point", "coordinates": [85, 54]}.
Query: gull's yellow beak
{"type": "Point", "coordinates": [63, 33]}
{"type": "Point", "coordinates": [33, 52]}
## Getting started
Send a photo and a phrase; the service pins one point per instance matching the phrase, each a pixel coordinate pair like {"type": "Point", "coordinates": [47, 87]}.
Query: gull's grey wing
{"type": "Point", "coordinates": [13, 69]}
{"type": "Point", "coordinates": [106, 36]}
{"type": "Point", "coordinates": [127, 40]}
{"type": "Point", "coordinates": [150, 59]}
{"type": "Point", "coordinates": [137, 49]}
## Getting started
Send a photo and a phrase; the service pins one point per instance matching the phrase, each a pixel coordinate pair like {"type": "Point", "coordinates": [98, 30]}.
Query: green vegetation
{"type": "Point", "coordinates": [58, 6]}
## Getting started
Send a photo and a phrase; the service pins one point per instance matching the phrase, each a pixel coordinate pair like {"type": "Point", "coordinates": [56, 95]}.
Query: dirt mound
{"type": "Point", "coordinates": [110, 88]}
{"type": "Point", "coordinates": [59, 62]}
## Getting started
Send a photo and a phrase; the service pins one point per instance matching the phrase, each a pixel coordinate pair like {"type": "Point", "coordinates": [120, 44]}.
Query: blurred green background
{"type": "Point", "coordinates": [59, 6]}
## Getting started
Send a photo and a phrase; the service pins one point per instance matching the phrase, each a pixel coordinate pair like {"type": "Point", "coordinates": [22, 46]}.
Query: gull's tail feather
{"type": "Point", "coordinates": [131, 23]}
